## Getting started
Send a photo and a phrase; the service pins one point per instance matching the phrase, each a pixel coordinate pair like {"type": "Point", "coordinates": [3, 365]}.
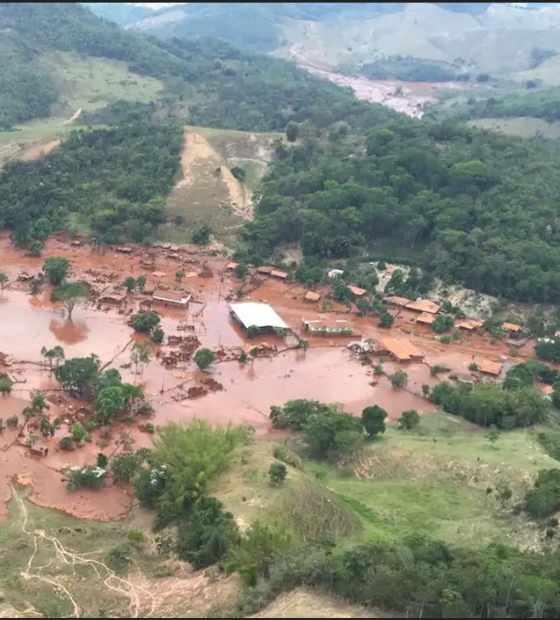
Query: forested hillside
{"type": "Point", "coordinates": [111, 183]}
{"type": "Point", "coordinates": [207, 82]}
{"type": "Point", "coordinates": [469, 206]}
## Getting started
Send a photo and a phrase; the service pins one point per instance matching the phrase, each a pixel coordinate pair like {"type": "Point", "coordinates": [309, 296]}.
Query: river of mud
{"type": "Point", "coordinates": [406, 97]}
{"type": "Point", "coordinates": [241, 393]}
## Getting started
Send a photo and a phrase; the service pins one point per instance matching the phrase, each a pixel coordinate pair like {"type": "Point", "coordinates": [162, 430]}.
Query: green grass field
{"type": "Point", "coordinates": [87, 83]}
{"type": "Point", "coordinates": [439, 480]}
{"type": "Point", "coordinates": [522, 126]}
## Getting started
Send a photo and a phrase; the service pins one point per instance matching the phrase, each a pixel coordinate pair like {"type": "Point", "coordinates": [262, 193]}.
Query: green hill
{"type": "Point", "coordinates": [60, 58]}
{"type": "Point", "coordinates": [483, 36]}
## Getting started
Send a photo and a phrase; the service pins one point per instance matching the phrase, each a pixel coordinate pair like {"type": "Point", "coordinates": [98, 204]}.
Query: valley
{"type": "Point", "coordinates": [279, 310]}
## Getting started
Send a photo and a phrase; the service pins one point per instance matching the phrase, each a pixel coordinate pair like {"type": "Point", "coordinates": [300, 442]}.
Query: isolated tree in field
{"type": "Point", "coordinates": [203, 358]}
{"type": "Point", "coordinates": [409, 419]}
{"type": "Point", "coordinates": [179, 275]}
{"type": "Point", "coordinates": [109, 402]}
{"type": "Point", "coordinates": [3, 280]}
{"type": "Point", "coordinates": [38, 401]}
{"type": "Point", "coordinates": [144, 322]}
{"type": "Point", "coordinates": [46, 427]}
{"type": "Point", "coordinates": [374, 420]}
{"type": "Point", "coordinates": [130, 284]}
{"type": "Point", "coordinates": [79, 375]}
{"type": "Point", "coordinates": [292, 131]}
{"type": "Point", "coordinates": [399, 379]}
{"type": "Point", "coordinates": [78, 431]}
{"type": "Point", "coordinates": [5, 384]}
{"type": "Point", "coordinates": [141, 282]}
{"type": "Point", "coordinates": [56, 354]}
{"type": "Point", "coordinates": [70, 294]}
{"type": "Point", "coordinates": [56, 269]}
{"type": "Point", "coordinates": [277, 473]}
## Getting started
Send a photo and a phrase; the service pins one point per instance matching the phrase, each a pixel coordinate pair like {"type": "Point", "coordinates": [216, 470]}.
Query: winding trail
{"type": "Point", "coordinates": [111, 581]}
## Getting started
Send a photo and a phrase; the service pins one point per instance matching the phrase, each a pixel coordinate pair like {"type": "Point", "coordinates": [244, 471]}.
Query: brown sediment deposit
{"type": "Point", "coordinates": [406, 97]}
{"type": "Point", "coordinates": [272, 372]}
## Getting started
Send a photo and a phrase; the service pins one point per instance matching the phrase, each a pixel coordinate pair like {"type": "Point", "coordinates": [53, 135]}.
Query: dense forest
{"type": "Point", "coordinates": [111, 182]}
{"type": "Point", "coordinates": [542, 103]}
{"type": "Point", "coordinates": [468, 206]}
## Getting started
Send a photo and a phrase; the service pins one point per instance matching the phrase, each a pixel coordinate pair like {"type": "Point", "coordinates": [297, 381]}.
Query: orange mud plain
{"type": "Point", "coordinates": [326, 371]}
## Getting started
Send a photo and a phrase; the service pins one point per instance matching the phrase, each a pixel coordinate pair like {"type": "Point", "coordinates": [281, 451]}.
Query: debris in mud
{"type": "Point", "coordinates": [187, 346]}
{"type": "Point", "coordinates": [196, 391]}
{"type": "Point", "coordinates": [211, 383]}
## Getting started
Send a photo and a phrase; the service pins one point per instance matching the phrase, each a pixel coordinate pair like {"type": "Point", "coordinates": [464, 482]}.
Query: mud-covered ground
{"type": "Point", "coordinates": [406, 97]}
{"type": "Point", "coordinates": [230, 392]}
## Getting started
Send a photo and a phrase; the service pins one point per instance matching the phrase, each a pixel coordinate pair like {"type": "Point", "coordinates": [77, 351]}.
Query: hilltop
{"type": "Point", "coordinates": [503, 38]}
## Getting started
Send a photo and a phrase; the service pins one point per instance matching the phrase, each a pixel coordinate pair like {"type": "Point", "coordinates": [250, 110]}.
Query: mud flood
{"type": "Point", "coordinates": [405, 97]}
{"type": "Point", "coordinates": [231, 391]}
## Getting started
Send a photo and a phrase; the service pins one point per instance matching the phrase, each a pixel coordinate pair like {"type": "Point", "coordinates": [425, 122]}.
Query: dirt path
{"type": "Point", "coordinates": [74, 116]}
{"type": "Point", "coordinates": [196, 150]}
{"type": "Point", "coordinates": [111, 581]}
{"type": "Point", "coordinates": [39, 149]}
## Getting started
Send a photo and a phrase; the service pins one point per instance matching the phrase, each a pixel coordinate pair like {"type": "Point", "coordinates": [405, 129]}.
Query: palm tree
{"type": "Point", "coordinates": [38, 401]}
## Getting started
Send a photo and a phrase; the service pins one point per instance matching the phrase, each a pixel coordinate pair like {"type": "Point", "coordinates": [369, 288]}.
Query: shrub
{"type": "Point", "coordinates": [119, 557]}
{"type": "Point", "coordinates": [207, 534]}
{"type": "Point", "coordinates": [409, 419]}
{"type": "Point", "coordinates": [67, 443]}
{"type": "Point", "coordinates": [85, 478]}
{"type": "Point", "coordinates": [277, 473]}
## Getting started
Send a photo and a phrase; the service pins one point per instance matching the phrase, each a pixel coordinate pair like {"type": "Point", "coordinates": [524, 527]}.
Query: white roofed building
{"type": "Point", "coordinates": [259, 315]}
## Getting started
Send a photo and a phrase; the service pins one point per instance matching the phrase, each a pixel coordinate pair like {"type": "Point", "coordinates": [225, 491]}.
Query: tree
{"type": "Point", "coordinates": [141, 282]}
{"type": "Point", "coordinates": [140, 355]}
{"type": "Point", "coordinates": [179, 275]}
{"type": "Point", "coordinates": [78, 432]}
{"type": "Point", "coordinates": [442, 323]}
{"type": "Point", "coordinates": [130, 284]}
{"type": "Point", "coordinates": [240, 271]}
{"type": "Point", "coordinates": [101, 460]}
{"type": "Point", "coordinates": [374, 420]}
{"type": "Point", "coordinates": [56, 353]}
{"type": "Point", "coordinates": [252, 558]}
{"type": "Point", "coordinates": [203, 358]}
{"type": "Point", "coordinates": [5, 384]}
{"type": "Point", "coordinates": [201, 236]}
{"type": "Point", "coordinates": [158, 335]}
{"type": "Point", "coordinates": [292, 131]}
{"type": "Point", "coordinates": [277, 473]}
{"type": "Point", "coordinates": [35, 248]}
{"type": "Point", "coordinates": [144, 322]}
{"type": "Point", "coordinates": [207, 534]}
{"type": "Point", "coordinates": [386, 319]}
{"type": "Point", "coordinates": [124, 466]}
{"type": "Point", "coordinates": [56, 269]}
{"type": "Point", "coordinates": [186, 457]}
{"type": "Point", "coordinates": [399, 379]}
{"type": "Point", "coordinates": [333, 433]}
{"type": "Point", "coordinates": [409, 419]}
{"type": "Point", "coordinates": [108, 402]}
{"type": "Point", "coordinates": [79, 375]}
{"type": "Point", "coordinates": [38, 401]}
{"type": "Point", "coordinates": [3, 280]}
{"type": "Point", "coordinates": [70, 294]}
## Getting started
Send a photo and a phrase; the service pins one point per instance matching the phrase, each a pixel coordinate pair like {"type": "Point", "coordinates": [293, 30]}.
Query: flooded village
{"type": "Point", "coordinates": [273, 339]}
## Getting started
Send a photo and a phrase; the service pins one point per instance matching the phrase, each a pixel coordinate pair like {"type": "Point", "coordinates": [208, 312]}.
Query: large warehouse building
{"type": "Point", "coordinates": [261, 316]}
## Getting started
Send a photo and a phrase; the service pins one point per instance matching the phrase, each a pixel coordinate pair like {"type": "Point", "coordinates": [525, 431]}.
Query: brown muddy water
{"type": "Point", "coordinates": [327, 371]}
